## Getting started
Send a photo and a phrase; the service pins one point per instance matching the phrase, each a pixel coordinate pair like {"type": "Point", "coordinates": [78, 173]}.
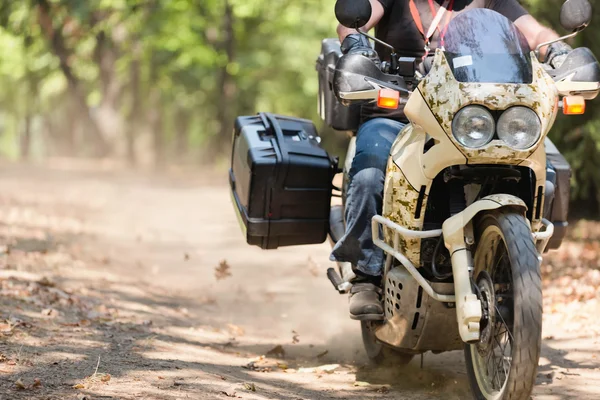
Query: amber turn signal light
{"type": "Point", "coordinates": [388, 98]}
{"type": "Point", "coordinates": [573, 105]}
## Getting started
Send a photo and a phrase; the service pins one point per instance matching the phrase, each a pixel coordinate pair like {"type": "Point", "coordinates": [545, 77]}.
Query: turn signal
{"type": "Point", "coordinates": [573, 105]}
{"type": "Point", "coordinates": [388, 98]}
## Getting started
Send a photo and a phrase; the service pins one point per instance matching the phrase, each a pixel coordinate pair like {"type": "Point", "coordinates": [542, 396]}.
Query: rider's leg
{"type": "Point", "coordinates": [364, 200]}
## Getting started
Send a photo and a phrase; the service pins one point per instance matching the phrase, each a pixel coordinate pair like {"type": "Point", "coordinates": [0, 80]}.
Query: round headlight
{"type": "Point", "coordinates": [519, 127]}
{"type": "Point", "coordinates": [473, 126]}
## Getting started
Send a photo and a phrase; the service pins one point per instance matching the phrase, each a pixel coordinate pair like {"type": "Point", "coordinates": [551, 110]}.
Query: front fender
{"type": "Point", "coordinates": [454, 226]}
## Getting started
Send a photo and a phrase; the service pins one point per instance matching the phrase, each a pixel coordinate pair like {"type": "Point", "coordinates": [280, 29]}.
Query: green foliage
{"type": "Point", "coordinates": [185, 53]}
{"type": "Point", "coordinates": [166, 78]}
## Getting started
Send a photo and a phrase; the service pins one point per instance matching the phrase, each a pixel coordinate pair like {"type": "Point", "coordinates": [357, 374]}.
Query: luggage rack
{"type": "Point", "coordinates": [541, 239]}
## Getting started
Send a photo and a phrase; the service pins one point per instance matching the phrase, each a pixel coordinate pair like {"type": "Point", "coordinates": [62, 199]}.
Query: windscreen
{"type": "Point", "coordinates": [486, 47]}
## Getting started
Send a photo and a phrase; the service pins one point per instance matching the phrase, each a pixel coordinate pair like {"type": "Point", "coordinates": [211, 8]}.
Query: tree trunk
{"type": "Point", "coordinates": [25, 142]}
{"type": "Point", "coordinates": [182, 125]}
{"type": "Point", "coordinates": [58, 47]}
{"type": "Point", "coordinates": [155, 120]}
{"type": "Point", "coordinates": [227, 89]}
{"type": "Point", "coordinates": [134, 117]}
{"type": "Point", "coordinates": [107, 113]}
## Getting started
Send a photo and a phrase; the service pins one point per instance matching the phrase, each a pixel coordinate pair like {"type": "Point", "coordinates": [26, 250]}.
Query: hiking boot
{"type": "Point", "coordinates": [365, 302]}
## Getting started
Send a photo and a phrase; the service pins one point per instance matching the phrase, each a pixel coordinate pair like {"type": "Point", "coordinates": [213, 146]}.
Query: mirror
{"type": "Point", "coordinates": [575, 15]}
{"type": "Point", "coordinates": [353, 13]}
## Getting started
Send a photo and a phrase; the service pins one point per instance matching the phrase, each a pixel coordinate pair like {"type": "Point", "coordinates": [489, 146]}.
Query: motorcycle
{"type": "Point", "coordinates": [471, 198]}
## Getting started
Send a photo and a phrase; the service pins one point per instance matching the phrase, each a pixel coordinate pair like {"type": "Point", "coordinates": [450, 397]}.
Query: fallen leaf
{"type": "Point", "coordinates": [323, 354]}
{"type": "Point", "coordinates": [250, 386]}
{"type": "Point", "coordinates": [45, 282]}
{"type": "Point", "coordinates": [361, 384]}
{"type": "Point", "coordinates": [78, 386]}
{"type": "Point", "coordinates": [159, 377]}
{"type": "Point", "coordinates": [222, 271]}
{"type": "Point", "coordinates": [20, 385]}
{"type": "Point", "coordinates": [276, 351]}
{"type": "Point", "coordinates": [329, 368]}
{"type": "Point", "coordinates": [283, 366]}
{"type": "Point", "coordinates": [36, 383]}
{"type": "Point", "coordinates": [105, 378]}
{"type": "Point", "coordinates": [260, 364]}
{"type": "Point", "coordinates": [50, 312]}
{"type": "Point", "coordinates": [229, 392]}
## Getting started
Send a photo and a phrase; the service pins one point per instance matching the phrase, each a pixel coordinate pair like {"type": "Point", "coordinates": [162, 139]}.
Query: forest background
{"type": "Point", "coordinates": [154, 83]}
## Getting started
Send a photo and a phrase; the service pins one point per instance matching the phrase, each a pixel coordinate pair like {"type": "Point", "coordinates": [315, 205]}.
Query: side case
{"type": "Point", "coordinates": [281, 181]}
{"type": "Point", "coordinates": [558, 210]}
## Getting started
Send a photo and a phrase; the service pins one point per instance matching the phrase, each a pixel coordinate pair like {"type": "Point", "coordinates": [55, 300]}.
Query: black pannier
{"type": "Point", "coordinates": [557, 208]}
{"type": "Point", "coordinates": [334, 113]}
{"type": "Point", "coordinates": [281, 181]}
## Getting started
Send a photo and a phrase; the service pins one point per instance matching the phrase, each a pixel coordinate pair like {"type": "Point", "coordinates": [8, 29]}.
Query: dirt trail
{"type": "Point", "coordinates": [109, 289]}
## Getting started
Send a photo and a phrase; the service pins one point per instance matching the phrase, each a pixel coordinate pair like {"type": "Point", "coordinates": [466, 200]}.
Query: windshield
{"type": "Point", "coordinates": [484, 46]}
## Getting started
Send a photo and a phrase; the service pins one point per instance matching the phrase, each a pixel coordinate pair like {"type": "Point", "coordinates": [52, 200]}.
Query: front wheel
{"type": "Point", "coordinates": [503, 365]}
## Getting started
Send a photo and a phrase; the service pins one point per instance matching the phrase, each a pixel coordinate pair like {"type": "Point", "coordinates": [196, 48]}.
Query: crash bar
{"type": "Point", "coordinates": [543, 237]}
{"type": "Point", "coordinates": [400, 230]}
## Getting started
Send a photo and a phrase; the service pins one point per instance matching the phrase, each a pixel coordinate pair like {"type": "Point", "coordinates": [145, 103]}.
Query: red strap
{"type": "Point", "coordinates": [448, 20]}
{"type": "Point", "coordinates": [414, 11]}
{"type": "Point", "coordinates": [416, 16]}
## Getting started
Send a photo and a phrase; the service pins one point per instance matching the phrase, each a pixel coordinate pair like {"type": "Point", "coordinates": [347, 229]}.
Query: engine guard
{"type": "Point", "coordinates": [457, 231]}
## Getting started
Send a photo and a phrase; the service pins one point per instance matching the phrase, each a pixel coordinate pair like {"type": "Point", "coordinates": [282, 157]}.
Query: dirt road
{"type": "Point", "coordinates": [116, 285]}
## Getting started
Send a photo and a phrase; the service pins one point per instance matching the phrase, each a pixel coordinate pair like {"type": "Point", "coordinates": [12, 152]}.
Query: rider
{"type": "Point", "coordinates": [411, 27]}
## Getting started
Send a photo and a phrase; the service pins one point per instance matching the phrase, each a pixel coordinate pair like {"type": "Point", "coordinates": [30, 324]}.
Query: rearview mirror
{"type": "Point", "coordinates": [575, 15]}
{"type": "Point", "coordinates": [353, 13]}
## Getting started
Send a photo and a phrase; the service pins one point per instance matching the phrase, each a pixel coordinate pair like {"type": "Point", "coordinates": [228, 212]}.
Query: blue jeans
{"type": "Point", "coordinates": [365, 195]}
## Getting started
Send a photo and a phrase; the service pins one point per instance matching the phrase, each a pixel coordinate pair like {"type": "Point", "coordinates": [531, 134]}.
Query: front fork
{"type": "Point", "coordinates": [458, 233]}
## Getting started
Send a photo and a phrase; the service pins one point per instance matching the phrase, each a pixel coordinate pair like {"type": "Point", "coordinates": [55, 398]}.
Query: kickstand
{"type": "Point", "coordinates": [422, 356]}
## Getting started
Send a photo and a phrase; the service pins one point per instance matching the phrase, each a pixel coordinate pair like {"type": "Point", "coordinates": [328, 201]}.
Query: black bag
{"type": "Point", "coordinates": [281, 181]}
{"type": "Point", "coordinates": [556, 208]}
{"type": "Point", "coordinates": [334, 113]}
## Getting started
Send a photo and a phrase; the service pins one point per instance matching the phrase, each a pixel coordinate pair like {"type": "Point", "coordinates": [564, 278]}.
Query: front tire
{"type": "Point", "coordinates": [503, 365]}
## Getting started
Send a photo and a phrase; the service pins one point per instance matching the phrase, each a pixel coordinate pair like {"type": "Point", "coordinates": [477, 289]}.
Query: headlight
{"type": "Point", "coordinates": [519, 127]}
{"type": "Point", "coordinates": [473, 126]}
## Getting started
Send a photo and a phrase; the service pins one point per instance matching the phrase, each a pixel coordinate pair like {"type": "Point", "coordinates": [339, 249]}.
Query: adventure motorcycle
{"type": "Point", "coordinates": [473, 170]}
